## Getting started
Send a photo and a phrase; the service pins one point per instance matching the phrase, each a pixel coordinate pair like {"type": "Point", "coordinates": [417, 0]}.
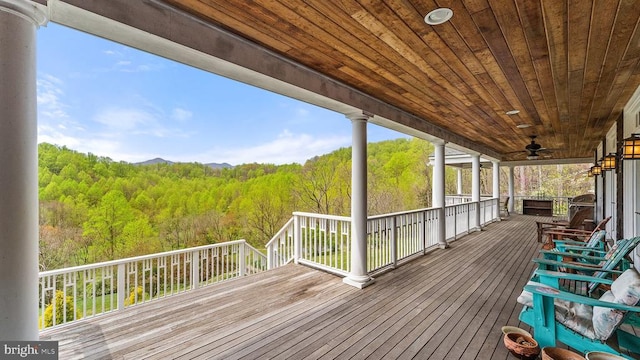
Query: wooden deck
{"type": "Point", "coordinates": [449, 304]}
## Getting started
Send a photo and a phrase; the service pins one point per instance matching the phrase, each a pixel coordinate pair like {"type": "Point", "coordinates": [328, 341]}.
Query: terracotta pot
{"type": "Point", "coordinates": [554, 353]}
{"type": "Point", "coordinates": [521, 345]}
{"type": "Point", "coordinates": [514, 329]}
{"type": "Point", "coordinates": [600, 355]}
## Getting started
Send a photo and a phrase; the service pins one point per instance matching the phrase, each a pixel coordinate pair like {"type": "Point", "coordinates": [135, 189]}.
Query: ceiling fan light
{"type": "Point", "coordinates": [533, 157]}
{"type": "Point", "coordinates": [438, 16]}
{"type": "Point", "coordinates": [512, 112]}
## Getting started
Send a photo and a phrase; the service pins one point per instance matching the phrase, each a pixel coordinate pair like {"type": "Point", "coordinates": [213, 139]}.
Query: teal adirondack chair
{"type": "Point", "coordinates": [583, 323]}
{"type": "Point", "coordinates": [606, 267]}
{"type": "Point", "coordinates": [596, 241]}
{"type": "Point", "coordinates": [590, 256]}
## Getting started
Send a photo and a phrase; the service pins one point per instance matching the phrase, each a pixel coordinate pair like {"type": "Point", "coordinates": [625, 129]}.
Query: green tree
{"type": "Point", "coordinates": [107, 222]}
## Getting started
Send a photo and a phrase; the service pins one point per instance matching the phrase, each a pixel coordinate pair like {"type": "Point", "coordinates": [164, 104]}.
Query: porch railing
{"type": "Point", "coordinates": [560, 204]}
{"type": "Point", "coordinates": [86, 291]}
{"type": "Point", "coordinates": [461, 199]}
{"type": "Point", "coordinates": [323, 241]}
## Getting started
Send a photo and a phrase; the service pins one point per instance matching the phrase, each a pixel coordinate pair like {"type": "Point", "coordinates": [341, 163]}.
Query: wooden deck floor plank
{"type": "Point", "coordinates": [372, 304]}
{"type": "Point", "coordinates": [120, 330]}
{"type": "Point", "coordinates": [397, 335]}
{"type": "Point", "coordinates": [508, 316]}
{"type": "Point", "coordinates": [489, 334]}
{"type": "Point", "coordinates": [108, 321]}
{"type": "Point", "coordinates": [433, 334]}
{"type": "Point", "coordinates": [238, 311]}
{"type": "Point", "coordinates": [362, 332]}
{"type": "Point", "coordinates": [430, 295]}
{"type": "Point", "coordinates": [451, 338]}
{"type": "Point", "coordinates": [293, 344]}
{"type": "Point", "coordinates": [449, 304]}
{"type": "Point", "coordinates": [485, 320]}
{"type": "Point", "coordinates": [409, 278]}
{"type": "Point", "coordinates": [373, 330]}
{"type": "Point", "coordinates": [332, 330]}
{"type": "Point", "coordinates": [201, 332]}
{"type": "Point", "coordinates": [493, 347]}
{"type": "Point", "coordinates": [235, 343]}
{"type": "Point", "coordinates": [500, 352]}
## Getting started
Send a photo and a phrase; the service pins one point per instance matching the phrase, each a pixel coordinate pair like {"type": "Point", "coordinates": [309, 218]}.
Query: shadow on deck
{"type": "Point", "coordinates": [449, 304]}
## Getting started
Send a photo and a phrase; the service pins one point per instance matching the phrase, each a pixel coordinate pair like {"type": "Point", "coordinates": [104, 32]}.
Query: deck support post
{"type": "Point", "coordinates": [496, 188]}
{"type": "Point", "coordinates": [121, 286]}
{"type": "Point", "coordinates": [297, 240]}
{"type": "Point", "coordinates": [459, 178]}
{"type": "Point", "coordinates": [195, 269]}
{"type": "Point", "coordinates": [475, 187]}
{"type": "Point", "coordinates": [358, 276]}
{"type": "Point", "coordinates": [19, 176]}
{"type": "Point", "coordinates": [438, 192]}
{"type": "Point", "coordinates": [512, 199]}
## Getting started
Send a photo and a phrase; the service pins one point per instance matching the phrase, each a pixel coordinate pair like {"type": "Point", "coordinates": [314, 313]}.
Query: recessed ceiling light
{"type": "Point", "coordinates": [523, 126]}
{"type": "Point", "coordinates": [512, 112]}
{"type": "Point", "coordinates": [438, 16]}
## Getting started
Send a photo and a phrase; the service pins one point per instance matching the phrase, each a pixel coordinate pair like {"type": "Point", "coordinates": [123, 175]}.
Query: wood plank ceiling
{"type": "Point", "coordinates": [568, 66]}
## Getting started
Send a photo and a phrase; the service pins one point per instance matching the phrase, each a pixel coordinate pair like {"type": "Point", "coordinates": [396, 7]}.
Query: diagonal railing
{"type": "Point", "coordinates": [86, 291]}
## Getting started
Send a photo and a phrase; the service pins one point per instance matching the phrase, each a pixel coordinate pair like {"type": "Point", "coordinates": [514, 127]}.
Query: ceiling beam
{"type": "Point", "coordinates": [547, 162]}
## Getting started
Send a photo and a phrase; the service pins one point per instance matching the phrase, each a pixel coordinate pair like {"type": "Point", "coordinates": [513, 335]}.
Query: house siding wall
{"type": "Point", "coordinates": [631, 176]}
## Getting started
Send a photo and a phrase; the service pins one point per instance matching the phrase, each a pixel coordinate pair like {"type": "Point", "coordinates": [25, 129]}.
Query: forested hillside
{"type": "Point", "coordinates": [95, 209]}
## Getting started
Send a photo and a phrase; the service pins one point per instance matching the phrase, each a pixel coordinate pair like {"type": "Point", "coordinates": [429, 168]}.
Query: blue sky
{"type": "Point", "coordinates": [98, 96]}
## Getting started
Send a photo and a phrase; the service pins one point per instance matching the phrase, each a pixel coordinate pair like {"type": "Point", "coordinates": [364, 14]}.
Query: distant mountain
{"type": "Point", "coordinates": [219, 166]}
{"type": "Point", "coordinates": [154, 161]}
{"type": "Point", "coordinates": [163, 161]}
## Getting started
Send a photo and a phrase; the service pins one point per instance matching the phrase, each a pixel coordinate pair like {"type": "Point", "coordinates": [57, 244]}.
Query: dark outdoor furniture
{"type": "Point", "coordinates": [576, 222]}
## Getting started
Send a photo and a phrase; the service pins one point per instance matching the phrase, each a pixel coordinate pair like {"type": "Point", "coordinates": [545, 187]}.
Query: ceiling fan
{"type": "Point", "coordinates": [533, 149]}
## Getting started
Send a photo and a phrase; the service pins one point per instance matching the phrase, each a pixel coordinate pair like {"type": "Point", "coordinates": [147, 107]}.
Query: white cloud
{"type": "Point", "coordinates": [51, 135]}
{"type": "Point", "coordinates": [125, 119]}
{"type": "Point", "coordinates": [285, 149]}
{"type": "Point", "coordinates": [302, 112]}
{"type": "Point", "coordinates": [49, 98]}
{"type": "Point", "coordinates": [124, 64]}
{"type": "Point", "coordinates": [98, 144]}
{"type": "Point", "coordinates": [121, 122]}
{"type": "Point", "coordinates": [55, 125]}
{"type": "Point", "coordinates": [112, 53]}
{"type": "Point", "coordinates": [181, 115]}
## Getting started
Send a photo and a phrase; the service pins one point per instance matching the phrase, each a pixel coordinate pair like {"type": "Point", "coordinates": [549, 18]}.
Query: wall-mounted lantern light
{"type": "Point", "coordinates": [609, 162]}
{"type": "Point", "coordinates": [631, 147]}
